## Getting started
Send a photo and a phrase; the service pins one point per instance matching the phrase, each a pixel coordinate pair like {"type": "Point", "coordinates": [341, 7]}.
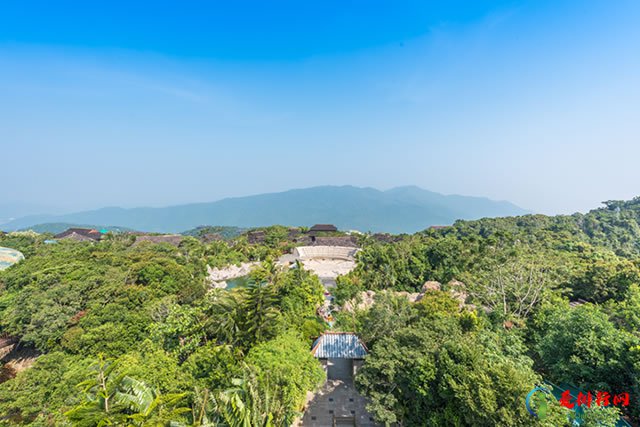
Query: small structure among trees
{"type": "Point", "coordinates": [341, 354]}
{"type": "Point", "coordinates": [338, 403]}
{"type": "Point", "coordinates": [80, 234]}
{"type": "Point", "coordinates": [172, 239]}
{"type": "Point", "coordinates": [323, 228]}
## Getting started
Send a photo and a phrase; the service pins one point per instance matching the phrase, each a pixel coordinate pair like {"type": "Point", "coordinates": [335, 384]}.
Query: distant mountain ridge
{"type": "Point", "coordinates": [59, 227]}
{"type": "Point", "coordinates": [399, 210]}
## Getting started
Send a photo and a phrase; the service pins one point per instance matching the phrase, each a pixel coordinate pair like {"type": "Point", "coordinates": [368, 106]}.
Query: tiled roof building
{"type": "Point", "coordinates": [80, 234]}
{"type": "Point", "coordinates": [339, 345]}
{"type": "Point", "coordinates": [323, 227]}
{"type": "Point", "coordinates": [172, 239]}
{"type": "Point", "coordinates": [338, 402]}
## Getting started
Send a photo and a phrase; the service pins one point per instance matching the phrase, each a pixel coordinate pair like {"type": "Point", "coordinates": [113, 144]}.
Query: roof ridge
{"type": "Point", "coordinates": [338, 332]}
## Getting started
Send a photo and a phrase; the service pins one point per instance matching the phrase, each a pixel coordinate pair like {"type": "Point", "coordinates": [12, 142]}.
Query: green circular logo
{"type": "Point", "coordinates": [536, 402]}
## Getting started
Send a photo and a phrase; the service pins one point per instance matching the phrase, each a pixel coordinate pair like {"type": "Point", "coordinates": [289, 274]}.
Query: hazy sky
{"type": "Point", "coordinates": [106, 103]}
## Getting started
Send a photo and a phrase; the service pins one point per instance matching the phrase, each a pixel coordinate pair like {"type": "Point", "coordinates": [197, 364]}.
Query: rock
{"type": "Point", "coordinates": [414, 297]}
{"type": "Point", "coordinates": [458, 291]}
{"type": "Point", "coordinates": [219, 285]}
{"type": "Point", "coordinates": [431, 286]}
{"type": "Point", "coordinates": [368, 299]}
{"type": "Point", "coordinates": [456, 284]}
{"type": "Point", "coordinates": [410, 296]}
{"type": "Point", "coordinates": [361, 302]}
{"type": "Point", "coordinates": [508, 324]}
{"type": "Point", "coordinates": [365, 299]}
{"type": "Point", "coordinates": [218, 276]}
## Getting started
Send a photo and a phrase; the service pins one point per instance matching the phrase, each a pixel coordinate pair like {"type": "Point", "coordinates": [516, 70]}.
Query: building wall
{"type": "Point", "coordinates": [342, 365]}
{"type": "Point", "coordinates": [338, 399]}
{"type": "Point", "coordinates": [340, 369]}
{"type": "Point", "coordinates": [357, 364]}
{"type": "Point", "coordinates": [325, 365]}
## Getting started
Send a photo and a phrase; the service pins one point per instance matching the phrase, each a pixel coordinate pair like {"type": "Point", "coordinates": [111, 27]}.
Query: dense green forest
{"type": "Point", "coordinates": [131, 334]}
{"type": "Point", "coordinates": [128, 334]}
{"type": "Point", "coordinates": [463, 366]}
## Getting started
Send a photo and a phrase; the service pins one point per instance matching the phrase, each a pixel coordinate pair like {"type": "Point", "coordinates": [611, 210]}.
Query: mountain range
{"type": "Point", "coordinates": [399, 210]}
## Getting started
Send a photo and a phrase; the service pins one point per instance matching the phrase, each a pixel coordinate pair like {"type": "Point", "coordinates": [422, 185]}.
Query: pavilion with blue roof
{"type": "Point", "coordinates": [341, 354]}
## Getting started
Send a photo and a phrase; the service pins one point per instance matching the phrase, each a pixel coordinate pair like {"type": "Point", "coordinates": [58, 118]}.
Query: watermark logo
{"type": "Point", "coordinates": [537, 402]}
{"type": "Point", "coordinates": [597, 398]}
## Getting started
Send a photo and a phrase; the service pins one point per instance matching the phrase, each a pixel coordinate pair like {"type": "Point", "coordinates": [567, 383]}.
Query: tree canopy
{"type": "Point", "coordinates": [133, 334]}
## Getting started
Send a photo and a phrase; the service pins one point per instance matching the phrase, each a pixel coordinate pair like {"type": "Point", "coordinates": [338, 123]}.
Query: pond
{"type": "Point", "coordinates": [238, 282]}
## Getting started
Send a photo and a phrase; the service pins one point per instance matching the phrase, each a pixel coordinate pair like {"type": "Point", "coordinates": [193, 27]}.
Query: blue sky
{"type": "Point", "coordinates": [158, 103]}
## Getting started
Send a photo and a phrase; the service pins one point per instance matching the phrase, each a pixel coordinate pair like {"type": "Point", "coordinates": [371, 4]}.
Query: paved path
{"type": "Point", "coordinates": [337, 398]}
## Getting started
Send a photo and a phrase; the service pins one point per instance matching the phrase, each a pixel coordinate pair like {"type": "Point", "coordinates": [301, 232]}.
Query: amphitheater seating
{"type": "Point", "coordinates": [325, 252]}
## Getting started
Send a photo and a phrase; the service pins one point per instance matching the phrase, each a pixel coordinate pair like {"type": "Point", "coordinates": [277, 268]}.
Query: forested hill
{"type": "Point", "coordinates": [615, 226]}
{"type": "Point", "coordinates": [399, 210]}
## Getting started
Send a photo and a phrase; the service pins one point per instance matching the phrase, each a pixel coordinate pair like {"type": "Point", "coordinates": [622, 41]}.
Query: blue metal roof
{"type": "Point", "coordinates": [339, 345]}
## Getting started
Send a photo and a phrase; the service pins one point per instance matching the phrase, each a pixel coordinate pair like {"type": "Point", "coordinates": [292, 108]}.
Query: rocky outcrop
{"type": "Point", "coordinates": [14, 357]}
{"type": "Point", "coordinates": [366, 299]}
{"type": "Point", "coordinates": [431, 286]}
{"type": "Point", "coordinates": [411, 296]}
{"type": "Point", "coordinates": [361, 302]}
{"type": "Point", "coordinates": [7, 344]}
{"type": "Point", "coordinates": [218, 277]}
{"type": "Point", "coordinates": [458, 290]}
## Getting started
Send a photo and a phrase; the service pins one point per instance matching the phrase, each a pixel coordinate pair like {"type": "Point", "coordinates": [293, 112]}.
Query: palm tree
{"type": "Point", "coordinates": [116, 399]}
{"type": "Point", "coordinates": [234, 407]}
{"type": "Point", "coordinates": [244, 405]}
{"type": "Point", "coordinates": [260, 312]}
{"type": "Point", "coordinates": [149, 406]}
{"type": "Point", "coordinates": [101, 406]}
{"type": "Point", "coordinates": [268, 271]}
{"type": "Point", "coordinates": [204, 410]}
{"type": "Point", "coordinates": [224, 317]}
